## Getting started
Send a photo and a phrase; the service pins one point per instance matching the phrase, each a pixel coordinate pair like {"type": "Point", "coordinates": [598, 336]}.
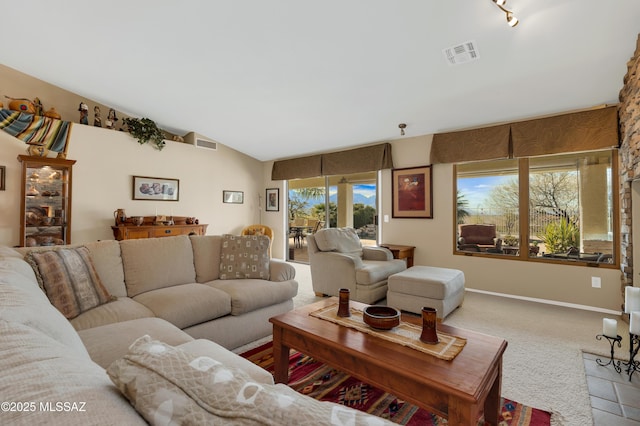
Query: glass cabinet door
{"type": "Point", "coordinates": [46, 201]}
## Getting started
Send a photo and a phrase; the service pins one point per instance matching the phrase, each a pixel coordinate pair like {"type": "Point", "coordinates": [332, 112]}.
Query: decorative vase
{"type": "Point", "coordinates": [429, 325]}
{"type": "Point", "coordinates": [343, 303]}
{"type": "Point", "coordinates": [137, 220]}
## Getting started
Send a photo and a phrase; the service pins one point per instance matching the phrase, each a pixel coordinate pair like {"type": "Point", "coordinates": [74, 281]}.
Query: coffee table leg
{"type": "Point", "coordinates": [492, 403]}
{"type": "Point", "coordinates": [280, 358]}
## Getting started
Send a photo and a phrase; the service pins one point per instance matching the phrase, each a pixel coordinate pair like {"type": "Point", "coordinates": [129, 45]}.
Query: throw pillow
{"type": "Point", "coordinates": [168, 385]}
{"type": "Point", "coordinates": [69, 279]}
{"type": "Point", "coordinates": [245, 256]}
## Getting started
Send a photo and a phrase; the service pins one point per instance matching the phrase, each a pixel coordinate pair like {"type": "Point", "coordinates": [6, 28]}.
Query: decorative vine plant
{"type": "Point", "coordinates": [145, 130]}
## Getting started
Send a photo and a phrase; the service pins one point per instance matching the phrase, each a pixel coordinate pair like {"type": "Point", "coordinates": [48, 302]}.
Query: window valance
{"type": "Point", "coordinates": [365, 159]}
{"type": "Point", "coordinates": [487, 143]}
{"type": "Point", "coordinates": [579, 131]}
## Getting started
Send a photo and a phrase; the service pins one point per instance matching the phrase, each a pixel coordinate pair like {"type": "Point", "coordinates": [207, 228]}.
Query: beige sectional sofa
{"type": "Point", "coordinates": [180, 315]}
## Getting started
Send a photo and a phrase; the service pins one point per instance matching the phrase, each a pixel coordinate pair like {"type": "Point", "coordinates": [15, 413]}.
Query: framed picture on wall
{"type": "Point", "coordinates": [411, 190]}
{"type": "Point", "coordinates": [153, 188]}
{"type": "Point", "coordinates": [273, 199]}
{"type": "Point", "coordinates": [233, 197]}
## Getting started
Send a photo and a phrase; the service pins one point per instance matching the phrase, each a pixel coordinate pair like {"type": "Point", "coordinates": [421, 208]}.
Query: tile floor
{"type": "Point", "coordinates": [615, 401]}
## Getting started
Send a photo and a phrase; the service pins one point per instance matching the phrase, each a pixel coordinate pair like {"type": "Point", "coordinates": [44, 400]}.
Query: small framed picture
{"type": "Point", "coordinates": [3, 174]}
{"type": "Point", "coordinates": [273, 199]}
{"type": "Point", "coordinates": [153, 188]}
{"type": "Point", "coordinates": [411, 193]}
{"type": "Point", "coordinates": [233, 197]}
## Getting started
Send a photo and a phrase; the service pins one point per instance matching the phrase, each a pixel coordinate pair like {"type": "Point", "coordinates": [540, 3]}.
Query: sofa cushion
{"type": "Point", "coordinates": [244, 256]}
{"type": "Point", "coordinates": [187, 304]}
{"type": "Point", "coordinates": [108, 262]}
{"type": "Point", "coordinates": [69, 279]}
{"type": "Point", "coordinates": [250, 294]}
{"type": "Point", "coordinates": [22, 301]}
{"type": "Point", "coordinates": [373, 271]}
{"type": "Point", "coordinates": [45, 371]}
{"type": "Point", "coordinates": [342, 240]}
{"type": "Point", "coordinates": [107, 343]}
{"type": "Point", "coordinates": [206, 256]}
{"type": "Point", "coordinates": [154, 263]}
{"type": "Point", "coordinates": [123, 309]}
{"type": "Point", "coordinates": [167, 383]}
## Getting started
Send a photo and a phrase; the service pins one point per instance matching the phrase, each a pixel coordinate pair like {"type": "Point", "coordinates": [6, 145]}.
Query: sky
{"type": "Point", "coordinates": [476, 190]}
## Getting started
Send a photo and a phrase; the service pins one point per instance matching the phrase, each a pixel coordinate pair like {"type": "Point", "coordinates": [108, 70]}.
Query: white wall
{"type": "Point", "coordinates": [434, 241]}
{"type": "Point", "coordinates": [102, 183]}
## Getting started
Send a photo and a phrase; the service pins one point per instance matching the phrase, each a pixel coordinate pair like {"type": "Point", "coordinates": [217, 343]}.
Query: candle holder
{"type": "Point", "coordinates": [634, 345]}
{"type": "Point", "coordinates": [612, 342]}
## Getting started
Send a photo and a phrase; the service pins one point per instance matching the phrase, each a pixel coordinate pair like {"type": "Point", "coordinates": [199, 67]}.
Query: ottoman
{"type": "Point", "coordinates": [420, 286]}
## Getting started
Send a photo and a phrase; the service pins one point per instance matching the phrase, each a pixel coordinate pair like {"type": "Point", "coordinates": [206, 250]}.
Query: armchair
{"type": "Point", "coordinates": [338, 260]}
{"type": "Point", "coordinates": [479, 237]}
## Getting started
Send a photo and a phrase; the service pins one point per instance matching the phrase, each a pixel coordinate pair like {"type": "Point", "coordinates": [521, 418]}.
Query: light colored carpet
{"type": "Point", "coordinates": [543, 365]}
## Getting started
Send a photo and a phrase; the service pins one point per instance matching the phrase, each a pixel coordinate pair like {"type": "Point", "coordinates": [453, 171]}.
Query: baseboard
{"type": "Point", "coordinates": [547, 302]}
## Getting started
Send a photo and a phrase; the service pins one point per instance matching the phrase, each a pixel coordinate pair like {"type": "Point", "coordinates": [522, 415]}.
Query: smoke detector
{"type": "Point", "coordinates": [461, 53]}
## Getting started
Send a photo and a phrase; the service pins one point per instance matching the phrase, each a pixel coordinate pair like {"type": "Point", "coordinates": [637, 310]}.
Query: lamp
{"type": "Point", "coordinates": [402, 126]}
{"type": "Point", "coordinates": [511, 19]}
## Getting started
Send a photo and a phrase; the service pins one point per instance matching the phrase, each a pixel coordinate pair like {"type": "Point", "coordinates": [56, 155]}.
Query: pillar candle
{"type": "Point", "coordinates": [631, 299]}
{"type": "Point", "coordinates": [634, 323]}
{"type": "Point", "coordinates": [610, 327]}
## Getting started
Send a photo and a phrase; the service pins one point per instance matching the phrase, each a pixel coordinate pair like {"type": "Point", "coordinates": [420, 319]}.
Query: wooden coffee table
{"type": "Point", "coordinates": [460, 390]}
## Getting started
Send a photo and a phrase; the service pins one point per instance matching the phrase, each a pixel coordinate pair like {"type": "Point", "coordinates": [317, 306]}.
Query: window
{"type": "Point", "coordinates": [556, 208]}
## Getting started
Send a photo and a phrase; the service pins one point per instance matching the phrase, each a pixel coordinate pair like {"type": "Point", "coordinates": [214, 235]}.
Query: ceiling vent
{"type": "Point", "coordinates": [199, 141]}
{"type": "Point", "coordinates": [461, 53]}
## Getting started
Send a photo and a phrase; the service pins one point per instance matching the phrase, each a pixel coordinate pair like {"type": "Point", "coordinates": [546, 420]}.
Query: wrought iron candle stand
{"type": "Point", "coordinates": [612, 342]}
{"type": "Point", "coordinates": [634, 345]}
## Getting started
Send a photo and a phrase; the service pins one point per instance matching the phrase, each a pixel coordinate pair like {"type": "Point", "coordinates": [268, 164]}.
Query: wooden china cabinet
{"type": "Point", "coordinates": [45, 206]}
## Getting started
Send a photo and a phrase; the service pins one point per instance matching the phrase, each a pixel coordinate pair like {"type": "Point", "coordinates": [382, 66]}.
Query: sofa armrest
{"type": "Point", "coordinates": [279, 270]}
{"type": "Point", "coordinates": [376, 253]}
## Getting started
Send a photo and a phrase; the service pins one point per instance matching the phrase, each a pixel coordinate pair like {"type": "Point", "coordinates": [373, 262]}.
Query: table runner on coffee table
{"type": "Point", "coordinates": [404, 334]}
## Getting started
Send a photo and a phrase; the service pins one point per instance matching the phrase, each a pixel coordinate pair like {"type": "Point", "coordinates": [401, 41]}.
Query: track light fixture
{"type": "Point", "coordinates": [511, 19]}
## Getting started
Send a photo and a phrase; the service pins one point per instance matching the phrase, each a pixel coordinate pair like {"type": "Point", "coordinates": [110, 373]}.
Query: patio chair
{"type": "Point", "coordinates": [480, 238]}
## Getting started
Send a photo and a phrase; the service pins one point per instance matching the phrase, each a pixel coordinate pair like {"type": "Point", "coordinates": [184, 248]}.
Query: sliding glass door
{"type": "Point", "coordinates": [331, 202]}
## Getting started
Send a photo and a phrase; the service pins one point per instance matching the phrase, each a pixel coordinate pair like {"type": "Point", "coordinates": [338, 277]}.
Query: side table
{"type": "Point", "coordinates": [401, 252]}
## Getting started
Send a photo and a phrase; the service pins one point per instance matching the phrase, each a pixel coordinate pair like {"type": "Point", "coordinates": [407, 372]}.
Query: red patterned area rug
{"type": "Point", "coordinates": [324, 383]}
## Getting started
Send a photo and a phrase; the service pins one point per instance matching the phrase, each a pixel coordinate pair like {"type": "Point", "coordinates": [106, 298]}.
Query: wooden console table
{"type": "Point", "coordinates": [131, 232]}
{"type": "Point", "coordinates": [401, 252]}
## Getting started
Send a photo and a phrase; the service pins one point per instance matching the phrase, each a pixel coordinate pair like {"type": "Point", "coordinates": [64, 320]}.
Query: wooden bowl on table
{"type": "Point", "coordinates": [381, 317]}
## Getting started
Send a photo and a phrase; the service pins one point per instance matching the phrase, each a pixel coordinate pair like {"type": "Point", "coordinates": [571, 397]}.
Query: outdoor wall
{"type": "Point", "coordinates": [434, 241]}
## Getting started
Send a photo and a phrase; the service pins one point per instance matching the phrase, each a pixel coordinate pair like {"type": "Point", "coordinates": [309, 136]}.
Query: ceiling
{"type": "Point", "coordinates": [282, 78]}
